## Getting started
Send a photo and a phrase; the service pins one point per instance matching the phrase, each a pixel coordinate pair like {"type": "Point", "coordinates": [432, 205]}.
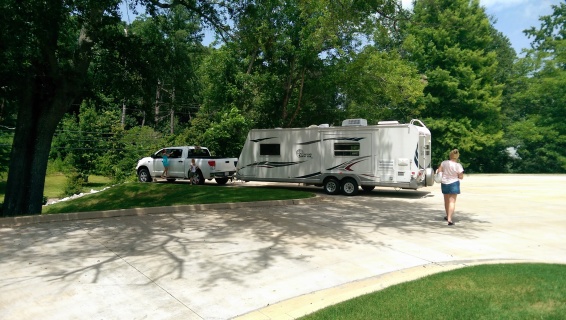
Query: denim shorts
{"type": "Point", "coordinates": [453, 188]}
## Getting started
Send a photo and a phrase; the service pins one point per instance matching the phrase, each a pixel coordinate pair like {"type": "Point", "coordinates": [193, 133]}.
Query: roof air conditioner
{"type": "Point", "coordinates": [354, 123]}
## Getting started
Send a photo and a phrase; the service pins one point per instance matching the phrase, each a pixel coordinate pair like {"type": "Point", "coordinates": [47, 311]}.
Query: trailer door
{"type": "Point", "coordinates": [348, 152]}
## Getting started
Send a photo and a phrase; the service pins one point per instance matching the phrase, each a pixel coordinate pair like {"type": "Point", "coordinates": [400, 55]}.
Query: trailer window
{"type": "Point", "coordinates": [269, 149]}
{"type": "Point", "coordinates": [351, 149]}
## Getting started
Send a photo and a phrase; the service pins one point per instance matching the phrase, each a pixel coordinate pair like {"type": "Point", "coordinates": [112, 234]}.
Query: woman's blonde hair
{"type": "Point", "coordinates": [454, 154]}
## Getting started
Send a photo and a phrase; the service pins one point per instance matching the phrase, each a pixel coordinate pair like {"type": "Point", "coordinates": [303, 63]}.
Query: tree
{"type": "Point", "coordinates": [450, 41]}
{"type": "Point", "coordinates": [288, 66]}
{"type": "Point", "coordinates": [51, 47]}
{"type": "Point", "coordinates": [536, 109]}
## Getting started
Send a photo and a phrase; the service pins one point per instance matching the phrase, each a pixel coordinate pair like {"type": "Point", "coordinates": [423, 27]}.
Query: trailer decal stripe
{"type": "Point", "coordinates": [309, 175]}
{"type": "Point", "coordinates": [309, 142]}
{"type": "Point", "coordinates": [348, 164]}
{"type": "Point", "coordinates": [268, 164]}
{"type": "Point", "coordinates": [259, 140]}
{"type": "Point", "coordinates": [417, 156]}
{"type": "Point", "coordinates": [344, 138]}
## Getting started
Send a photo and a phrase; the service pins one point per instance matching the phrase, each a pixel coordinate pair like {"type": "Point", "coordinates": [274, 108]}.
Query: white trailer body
{"type": "Point", "coordinates": [341, 158]}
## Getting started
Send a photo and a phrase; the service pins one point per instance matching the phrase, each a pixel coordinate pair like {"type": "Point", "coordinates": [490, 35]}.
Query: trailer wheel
{"type": "Point", "coordinates": [221, 181]}
{"type": "Point", "coordinates": [368, 188]}
{"type": "Point", "coordinates": [429, 177]}
{"type": "Point", "coordinates": [349, 187]}
{"type": "Point", "coordinates": [332, 186]}
{"type": "Point", "coordinates": [144, 176]}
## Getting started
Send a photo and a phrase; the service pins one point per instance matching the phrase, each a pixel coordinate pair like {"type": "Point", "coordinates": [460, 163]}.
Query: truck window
{"type": "Point", "coordinates": [270, 149]}
{"type": "Point", "coordinates": [349, 149]}
{"type": "Point", "coordinates": [175, 153]}
{"type": "Point", "coordinates": [198, 153]}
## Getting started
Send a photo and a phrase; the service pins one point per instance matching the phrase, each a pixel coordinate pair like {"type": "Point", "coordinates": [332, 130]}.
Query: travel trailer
{"type": "Point", "coordinates": [341, 159]}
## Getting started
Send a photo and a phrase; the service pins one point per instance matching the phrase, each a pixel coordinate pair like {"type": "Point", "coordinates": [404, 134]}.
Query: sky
{"type": "Point", "coordinates": [514, 16]}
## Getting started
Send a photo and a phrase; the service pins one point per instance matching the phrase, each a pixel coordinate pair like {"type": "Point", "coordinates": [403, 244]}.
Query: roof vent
{"type": "Point", "coordinates": [354, 123]}
{"type": "Point", "coordinates": [388, 122]}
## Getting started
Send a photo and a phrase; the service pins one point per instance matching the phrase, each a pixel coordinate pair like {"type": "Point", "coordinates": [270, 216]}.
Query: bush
{"type": "Point", "coordinates": [75, 183]}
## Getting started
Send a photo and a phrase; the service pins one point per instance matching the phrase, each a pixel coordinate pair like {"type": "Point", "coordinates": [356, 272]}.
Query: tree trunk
{"type": "Point", "coordinates": [39, 113]}
{"type": "Point", "coordinates": [46, 92]}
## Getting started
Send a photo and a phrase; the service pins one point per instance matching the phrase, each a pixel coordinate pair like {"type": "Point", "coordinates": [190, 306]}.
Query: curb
{"type": "Point", "coordinates": [8, 222]}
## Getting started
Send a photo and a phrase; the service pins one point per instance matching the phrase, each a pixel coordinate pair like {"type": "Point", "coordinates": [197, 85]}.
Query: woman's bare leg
{"type": "Point", "coordinates": [450, 205]}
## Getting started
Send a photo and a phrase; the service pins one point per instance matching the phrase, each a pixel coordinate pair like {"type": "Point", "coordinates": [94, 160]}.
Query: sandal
{"type": "Point", "coordinates": [450, 223]}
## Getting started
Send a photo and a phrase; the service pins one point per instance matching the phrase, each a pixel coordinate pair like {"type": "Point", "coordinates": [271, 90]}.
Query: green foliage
{"type": "Point", "coordinates": [6, 138]}
{"type": "Point", "coordinates": [450, 41]}
{"type": "Point", "coordinates": [75, 183]}
{"type": "Point", "coordinates": [536, 108]}
{"type": "Point", "coordinates": [380, 86]}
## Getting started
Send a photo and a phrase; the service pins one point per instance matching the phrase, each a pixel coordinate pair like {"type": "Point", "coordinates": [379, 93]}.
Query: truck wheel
{"type": "Point", "coordinates": [199, 178]}
{"type": "Point", "coordinates": [221, 181]}
{"type": "Point", "coordinates": [368, 188]}
{"type": "Point", "coordinates": [349, 187]}
{"type": "Point", "coordinates": [144, 176]}
{"type": "Point", "coordinates": [332, 186]}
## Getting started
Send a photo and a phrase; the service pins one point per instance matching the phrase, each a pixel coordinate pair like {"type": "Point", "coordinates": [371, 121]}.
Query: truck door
{"type": "Point", "coordinates": [157, 163]}
{"type": "Point", "coordinates": [176, 163]}
{"type": "Point", "coordinates": [348, 152]}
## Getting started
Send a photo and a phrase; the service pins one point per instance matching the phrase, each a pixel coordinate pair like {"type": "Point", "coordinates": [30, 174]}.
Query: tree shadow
{"type": "Point", "coordinates": [220, 246]}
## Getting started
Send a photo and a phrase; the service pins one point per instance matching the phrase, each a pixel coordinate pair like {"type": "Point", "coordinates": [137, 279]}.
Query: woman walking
{"type": "Point", "coordinates": [452, 173]}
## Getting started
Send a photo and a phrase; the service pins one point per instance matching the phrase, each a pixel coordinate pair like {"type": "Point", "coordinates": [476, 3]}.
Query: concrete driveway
{"type": "Point", "coordinates": [276, 260]}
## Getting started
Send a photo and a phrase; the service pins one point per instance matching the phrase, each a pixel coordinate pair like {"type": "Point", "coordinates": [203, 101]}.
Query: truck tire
{"type": "Point", "coordinates": [349, 187]}
{"type": "Point", "coordinates": [199, 179]}
{"type": "Point", "coordinates": [331, 186]}
{"type": "Point", "coordinates": [144, 176]}
{"type": "Point", "coordinates": [221, 181]}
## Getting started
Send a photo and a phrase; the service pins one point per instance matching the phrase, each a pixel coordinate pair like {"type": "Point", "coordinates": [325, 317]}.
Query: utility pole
{"type": "Point", "coordinates": [123, 113]}
{"type": "Point", "coordinates": [172, 125]}
{"type": "Point", "coordinates": [157, 93]}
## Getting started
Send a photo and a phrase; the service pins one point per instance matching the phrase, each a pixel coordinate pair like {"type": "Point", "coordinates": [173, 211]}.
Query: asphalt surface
{"type": "Point", "coordinates": [272, 260]}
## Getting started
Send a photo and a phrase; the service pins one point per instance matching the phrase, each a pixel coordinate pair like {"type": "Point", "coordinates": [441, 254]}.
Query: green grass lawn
{"type": "Point", "coordinates": [55, 184]}
{"type": "Point", "coordinates": [503, 291]}
{"type": "Point", "coordinates": [142, 195]}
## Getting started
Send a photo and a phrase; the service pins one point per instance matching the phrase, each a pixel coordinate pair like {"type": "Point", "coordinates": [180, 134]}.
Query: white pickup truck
{"type": "Point", "coordinates": [209, 167]}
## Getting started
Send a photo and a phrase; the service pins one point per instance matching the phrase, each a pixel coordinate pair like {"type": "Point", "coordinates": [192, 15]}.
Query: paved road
{"type": "Point", "coordinates": [273, 262]}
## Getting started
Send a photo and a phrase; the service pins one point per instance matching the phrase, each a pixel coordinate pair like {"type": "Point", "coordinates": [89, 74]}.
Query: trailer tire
{"type": "Point", "coordinates": [349, 187]}
{"type": "Point", "coordinates": [144, 176]}
{"type": "Point", "coordinates": [221, 181]}
{"type": "Point", "coordinates": [429, 177]}
{"type": "Point", "coordinates": [368, 188]}
{"type": "Point", "coordinates": [332, 186]}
